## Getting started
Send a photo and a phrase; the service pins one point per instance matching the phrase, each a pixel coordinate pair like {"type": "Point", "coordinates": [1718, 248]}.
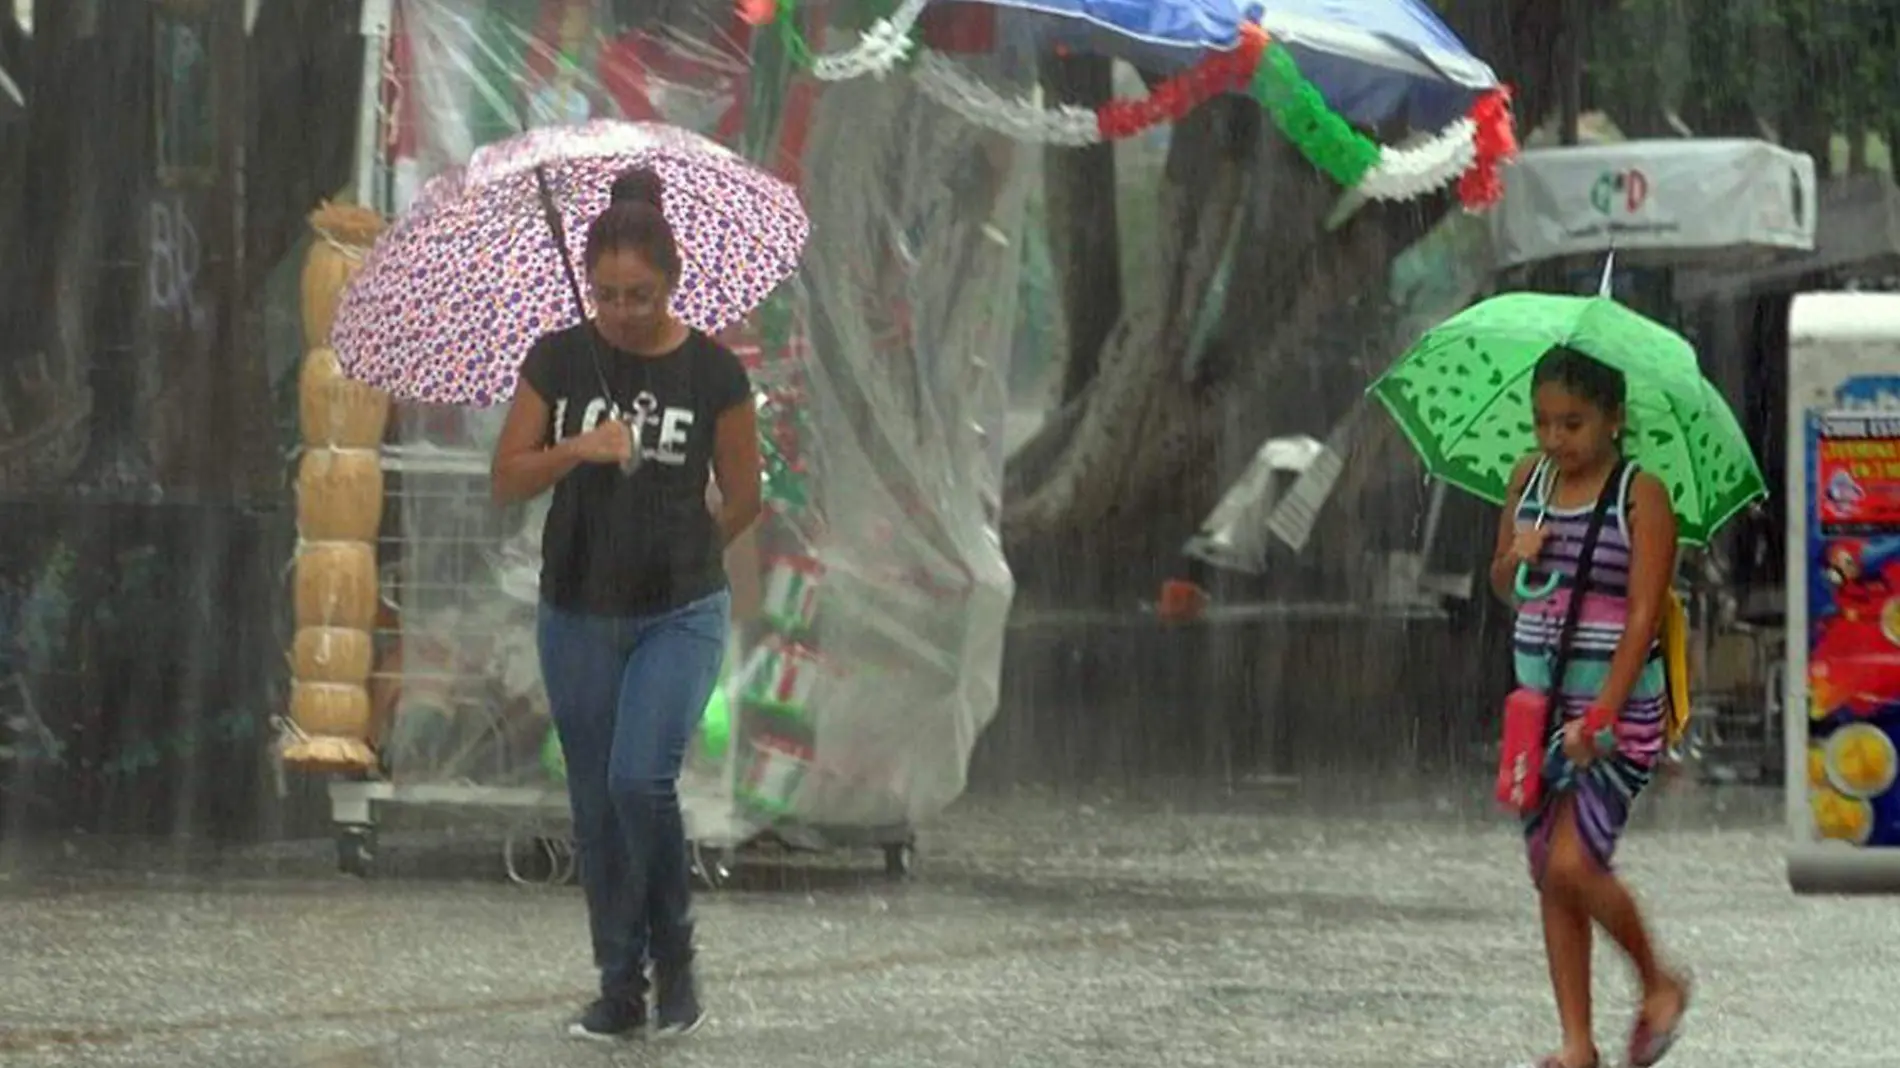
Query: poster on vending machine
{"type": "Point", "coordinates": [1853, 586]}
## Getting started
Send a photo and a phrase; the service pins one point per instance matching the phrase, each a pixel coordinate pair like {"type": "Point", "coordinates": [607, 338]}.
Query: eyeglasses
{"type": "Point", "coordinates": [634, 298]}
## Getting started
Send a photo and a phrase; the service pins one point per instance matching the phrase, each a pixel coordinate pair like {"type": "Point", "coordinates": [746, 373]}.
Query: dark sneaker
{"type": "Point", "coordinates": [676, 1009]}
{"type": "Point", "coordinates": [609, 1020]}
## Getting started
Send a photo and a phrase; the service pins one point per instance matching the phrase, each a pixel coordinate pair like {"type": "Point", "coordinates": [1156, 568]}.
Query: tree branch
{"type": "Point", "coordinates": [1084, 228]}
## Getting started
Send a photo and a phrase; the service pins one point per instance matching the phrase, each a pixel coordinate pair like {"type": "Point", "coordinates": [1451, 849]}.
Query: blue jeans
{"type": "Point", "coordinates": [627, 694]}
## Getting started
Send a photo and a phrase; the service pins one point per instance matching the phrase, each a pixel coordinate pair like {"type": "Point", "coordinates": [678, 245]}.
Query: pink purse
{"type": "Point", "coordinates": [1528, 713]}
{"type": "Point", "coordinates": [1520, 785]}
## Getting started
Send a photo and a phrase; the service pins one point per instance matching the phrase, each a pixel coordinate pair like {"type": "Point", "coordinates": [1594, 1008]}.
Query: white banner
{"type": "Point", "coordinates": [1688, 195]}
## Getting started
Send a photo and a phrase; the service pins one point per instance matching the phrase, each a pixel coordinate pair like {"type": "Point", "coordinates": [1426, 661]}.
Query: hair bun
{"type": "Point", "coordinates": [638, 185]}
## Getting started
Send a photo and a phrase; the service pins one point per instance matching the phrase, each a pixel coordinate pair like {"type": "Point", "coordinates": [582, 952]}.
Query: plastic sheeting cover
{"type": "Point", "coordinates": [872, 599]}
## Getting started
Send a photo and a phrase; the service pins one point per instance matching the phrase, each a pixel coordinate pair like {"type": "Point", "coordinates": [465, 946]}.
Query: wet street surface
{"type": "Point", "coordinates": [1262, 927]}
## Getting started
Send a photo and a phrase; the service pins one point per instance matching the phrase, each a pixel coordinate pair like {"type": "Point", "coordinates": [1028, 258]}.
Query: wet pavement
{"type": "Point", "coordinates": [1232, 929]}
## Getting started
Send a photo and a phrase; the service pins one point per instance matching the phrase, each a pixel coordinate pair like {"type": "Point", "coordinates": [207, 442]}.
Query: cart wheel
{"type": "Point", "coordinates": [567, 863]}
{"type": "Point", "coordinates": [356, 850]}
{"type": "Point", "coordinates": [712, 866]}
{"type": "Point", "coordinates": [900, 859]}
{"type": "Point", "coordinates": [539, 860]}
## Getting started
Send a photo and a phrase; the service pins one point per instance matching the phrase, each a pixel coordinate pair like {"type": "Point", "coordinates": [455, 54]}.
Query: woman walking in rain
{"type": "Point", "coordinates": [623, 416]}
{"type": "Point", "coordinates": [1582, 510]}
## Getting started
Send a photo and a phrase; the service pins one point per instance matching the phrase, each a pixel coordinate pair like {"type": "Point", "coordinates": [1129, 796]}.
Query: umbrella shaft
{"type": "Point", "coordinates": [553, 215]}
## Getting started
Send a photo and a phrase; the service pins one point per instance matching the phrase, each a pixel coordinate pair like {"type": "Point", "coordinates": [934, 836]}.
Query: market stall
{"type": "Point", "coordinates": [1664, 202]}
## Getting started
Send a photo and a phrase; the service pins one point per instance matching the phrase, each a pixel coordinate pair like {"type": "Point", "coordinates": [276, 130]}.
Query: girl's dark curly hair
{"type": "Point", "coordinates": [1584, 376]}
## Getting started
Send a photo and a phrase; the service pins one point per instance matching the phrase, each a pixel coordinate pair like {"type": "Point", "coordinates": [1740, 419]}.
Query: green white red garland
{"type": "Point", "coordinates": [879, 49]}
{"type": "Point", "coordinates": [1469, 151]}
{"type": "Point", "coordinates": [1024, 120]}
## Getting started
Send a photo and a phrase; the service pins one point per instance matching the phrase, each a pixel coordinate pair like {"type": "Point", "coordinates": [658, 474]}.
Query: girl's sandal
{"type": "Point", "coordinates": [1649, 1045]}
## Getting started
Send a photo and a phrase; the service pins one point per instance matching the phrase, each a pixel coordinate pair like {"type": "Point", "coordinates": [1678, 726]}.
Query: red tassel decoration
{"type": "Point", "coordinates": [1169, 102]}
{"type": "Point", "coordinates": [1481, 186]}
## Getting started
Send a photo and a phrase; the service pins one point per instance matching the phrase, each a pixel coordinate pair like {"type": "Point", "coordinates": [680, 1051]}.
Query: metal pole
{"type": "Point", "coordinates": [1434, 511]}
{"type": "Point", "coordinates": [238, 388]}
{"type": "Point", "coordinates": [375, 27]}
{"type": "Point", "coordinates": [1570, 73]}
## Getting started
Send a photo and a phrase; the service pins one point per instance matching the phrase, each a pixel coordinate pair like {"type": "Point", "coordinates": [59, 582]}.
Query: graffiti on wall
{"type": "Point", "coordinates": [53, 615]}
{"type": "Point", "coordinates": [182, 97]}
{"type": "Point", "coordinates": [174, 257]}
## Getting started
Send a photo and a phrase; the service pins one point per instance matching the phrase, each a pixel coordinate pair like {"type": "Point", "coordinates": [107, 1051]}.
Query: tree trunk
{"type": "Point", "coordinates": [1805, 126]}
{"type": "Point", "coordinates": [1139, 396]}
{"type": "Point", "coordinates": [308, 62]}
{"type": "Point", "coordinates": [1083, 227]}
{"type": "Point", "coordinates": [305, 59]}
{"type": "Point", "coordinates": [1128, 465]}
{"type": "Point", "coordinates": [74, 212]}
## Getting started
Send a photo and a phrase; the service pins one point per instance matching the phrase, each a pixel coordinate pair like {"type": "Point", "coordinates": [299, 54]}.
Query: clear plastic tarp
{"type": "Point", "coordinates": [871, 601]}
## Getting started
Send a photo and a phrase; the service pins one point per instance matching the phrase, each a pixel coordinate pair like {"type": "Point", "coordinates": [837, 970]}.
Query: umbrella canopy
{"type": "Point", "coordinates": [1372, 60]}
{"type": "Point", "coordinates": [1462, 394]}
{"type": "Point", "coordinates": [451, 297]}
{"type": "Point", "coordinates": [1377, 59]}
{"type": "Point", "coordinates": [1159, 36]}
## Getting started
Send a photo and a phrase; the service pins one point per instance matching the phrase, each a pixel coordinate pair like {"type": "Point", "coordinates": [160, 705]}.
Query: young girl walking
{"type": "Point", "coordinates": [1609, 707]}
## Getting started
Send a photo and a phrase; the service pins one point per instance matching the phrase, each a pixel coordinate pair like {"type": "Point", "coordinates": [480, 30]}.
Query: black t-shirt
{"type": "Point", "coordinates": [618, 544]}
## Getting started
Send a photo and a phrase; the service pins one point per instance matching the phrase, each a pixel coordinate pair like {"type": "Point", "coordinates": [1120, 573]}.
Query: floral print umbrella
{"type": "Point", "coordinates": [451, 297]}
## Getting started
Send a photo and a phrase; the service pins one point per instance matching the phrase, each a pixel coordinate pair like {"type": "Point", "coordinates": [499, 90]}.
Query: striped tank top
{"type": "Point", "coordinates": [1602, 622]}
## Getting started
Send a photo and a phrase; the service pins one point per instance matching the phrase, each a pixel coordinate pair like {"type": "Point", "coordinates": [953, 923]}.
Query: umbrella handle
{"type": "Point", "coordinates": [559, 230]}
{"type": "Point", "coordinates": [1526, 592]}
{"type": "Point", "coordinates": [552, 214]}
{"type": "Point", "coordinates": [1522, 586]}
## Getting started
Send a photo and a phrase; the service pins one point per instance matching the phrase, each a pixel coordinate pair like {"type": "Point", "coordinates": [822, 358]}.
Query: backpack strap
{"type": "Point", "coordinates": [1672, 633]}
{"type": "Point", "coordinates": [1579, 590]}
{"type": "Point", "coordinates": [1623, 486]}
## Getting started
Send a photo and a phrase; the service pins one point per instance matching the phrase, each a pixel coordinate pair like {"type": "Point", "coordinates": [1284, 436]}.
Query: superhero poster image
{"type": "Point", "coordinates": [1854, 632]}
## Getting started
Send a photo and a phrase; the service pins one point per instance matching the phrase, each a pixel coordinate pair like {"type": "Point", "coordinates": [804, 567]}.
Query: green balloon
{"type": "Point", "coordinates": [553, 761]}
{"type": "Point", "coordinates": [715, 734]}
{"type": "Point", "coordinates": [715, 728]}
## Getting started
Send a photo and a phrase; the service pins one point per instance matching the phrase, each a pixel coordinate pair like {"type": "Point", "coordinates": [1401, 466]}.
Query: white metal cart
{"type": "Point", "coordinates": [457, 683]}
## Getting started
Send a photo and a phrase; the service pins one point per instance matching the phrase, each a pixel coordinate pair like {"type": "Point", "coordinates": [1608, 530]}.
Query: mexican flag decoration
{"type": "Point", "coordinates": [773, 773]}
{"type": "Point", "coordinates": [791, 594]}
{"type": "Point", "coordinates": [779, 678]}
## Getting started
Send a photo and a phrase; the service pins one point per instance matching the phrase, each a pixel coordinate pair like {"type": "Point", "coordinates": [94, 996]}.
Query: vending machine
{"type": "Point", "coordinates": [1843, 679]}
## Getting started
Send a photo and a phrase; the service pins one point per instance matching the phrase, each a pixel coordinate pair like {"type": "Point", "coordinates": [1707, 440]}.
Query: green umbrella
{"type": "Point", "coordinates": [1463, 397]}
